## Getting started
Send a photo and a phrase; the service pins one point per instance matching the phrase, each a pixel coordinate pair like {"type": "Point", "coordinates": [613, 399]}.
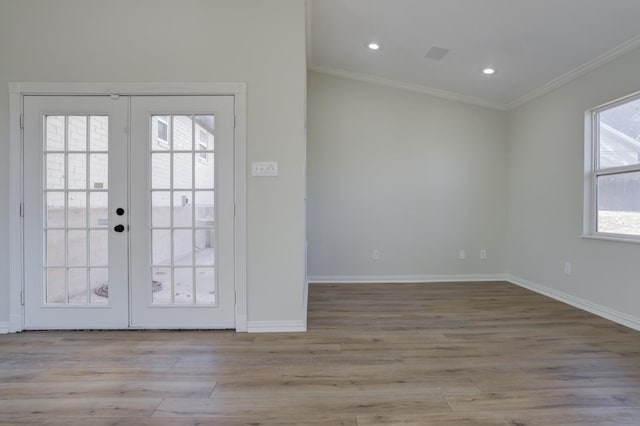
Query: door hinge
{"type": "Point", "coordinates": [21, 297]}
{"type": "Point", "coordinates": [22, 121]}
{"type": "Point", "coordinates": [21, 210]}
{"type": "Point", "coordinates": [114, 96]}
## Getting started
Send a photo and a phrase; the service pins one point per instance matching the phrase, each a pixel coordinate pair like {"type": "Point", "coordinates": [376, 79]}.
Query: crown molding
{"type": "Point", "coordinates": [583, 69]}
{"type": "Point", "coordinates": [407, 86]}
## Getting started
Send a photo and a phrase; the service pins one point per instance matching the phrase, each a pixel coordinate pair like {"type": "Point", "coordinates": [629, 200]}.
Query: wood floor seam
{"type": "Point", "coordinates": [450, 354]}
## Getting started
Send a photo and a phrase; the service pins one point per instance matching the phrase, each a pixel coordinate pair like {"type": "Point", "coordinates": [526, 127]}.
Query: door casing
{"type": "Point", "coordinates": [17, 91]}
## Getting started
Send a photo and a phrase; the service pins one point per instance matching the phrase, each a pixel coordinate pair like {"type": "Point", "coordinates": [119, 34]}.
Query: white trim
{"type": "Point", "coordinates": [133, 89]}
{"type": "Point", "coordinates": [240, 196]}
{"type": "Point", "coordinates": [610, 237]}
{"type": "Point", "coordinates": [276, 326]}
{"type": "Point", "coordinates": [579, 71]}
{"type": "Point", "coordinates": [19, 89]}
{"type": "Point", "coordinates": [16, 313]}
{"type": "Point", "coordinates": [583, 69]}
{"type": "Point", "coordinates": [408, 86]}
{"type": "Point", "coordinates": [594, 308]}
{"type": "Point", "coordinates": [398, 279]}
{"type": "Point", "coordinates": [4, 327]}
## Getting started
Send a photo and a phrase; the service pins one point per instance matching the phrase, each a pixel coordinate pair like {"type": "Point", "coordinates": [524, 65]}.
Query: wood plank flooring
{"type": "Point", "coordinates": [450, 354]}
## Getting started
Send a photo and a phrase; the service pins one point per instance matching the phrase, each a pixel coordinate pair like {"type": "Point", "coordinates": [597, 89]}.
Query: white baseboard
{"type": "Point", "coordinates": [276, 326]}
{"type": "Point", "coordinates": [4, 327]}
{"type": "Point", "coordinates": [585, 305]}
{"type": "Point", "coordinates": [241, 323]}
{"type": "Point", "coordinates": [400, 279]}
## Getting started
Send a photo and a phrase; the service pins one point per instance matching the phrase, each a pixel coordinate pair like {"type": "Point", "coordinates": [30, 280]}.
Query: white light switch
{"type": "Point", "coordinates": [264, 168]}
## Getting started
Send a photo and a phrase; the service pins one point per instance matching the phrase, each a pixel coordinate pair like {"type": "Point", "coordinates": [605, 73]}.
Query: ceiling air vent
{"type": "Point", "coordinates": [437, 53]}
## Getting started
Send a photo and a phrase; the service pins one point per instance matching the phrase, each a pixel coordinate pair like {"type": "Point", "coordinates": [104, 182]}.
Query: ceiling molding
{"type": "Point", "coordinates": [583, 69]}
{"type": "Point", "coordinates": [408, 86]}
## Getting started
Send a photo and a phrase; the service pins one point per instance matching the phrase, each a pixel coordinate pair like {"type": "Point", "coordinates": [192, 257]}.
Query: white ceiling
{"type": "Point", "coordinates": [534, 44]}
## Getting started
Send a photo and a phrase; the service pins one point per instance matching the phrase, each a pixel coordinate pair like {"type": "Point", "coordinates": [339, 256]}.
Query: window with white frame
{"type": "Point", "coordinates": [614, 169]}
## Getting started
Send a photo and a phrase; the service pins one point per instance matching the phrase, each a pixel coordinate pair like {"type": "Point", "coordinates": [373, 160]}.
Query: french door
{"type": "Point", "coordinates": [128, 212]}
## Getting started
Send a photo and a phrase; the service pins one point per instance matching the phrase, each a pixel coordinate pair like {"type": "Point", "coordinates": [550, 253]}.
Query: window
{"type": "Point", "coordinates": [614, 170]}
{"type": "Point", "coordinates": [203, 143]}
{"type": "Point", "coordinates": [162, 131]}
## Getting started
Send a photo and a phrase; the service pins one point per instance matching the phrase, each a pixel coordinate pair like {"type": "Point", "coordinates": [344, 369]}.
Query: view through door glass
{"type": "Point", "coordinates": [76, 165]}
{"type": "Point", "coordinates": [183, 223]}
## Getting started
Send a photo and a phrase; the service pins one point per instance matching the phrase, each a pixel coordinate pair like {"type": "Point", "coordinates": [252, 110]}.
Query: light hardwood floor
{"type": "Point", "coordinates": [411, 354]}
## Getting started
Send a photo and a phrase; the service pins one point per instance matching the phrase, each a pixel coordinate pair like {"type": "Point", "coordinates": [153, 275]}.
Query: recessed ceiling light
{"type": "Point", "coordinates": [373, 46]}
{"type": "Point", "coordinates": [489, 71]}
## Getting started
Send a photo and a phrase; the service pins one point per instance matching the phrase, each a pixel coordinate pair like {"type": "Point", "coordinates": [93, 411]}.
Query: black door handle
{"type": "Point", "coordinates": [119, 211]}
{"type": "Point", "coordinates": [118, 228]}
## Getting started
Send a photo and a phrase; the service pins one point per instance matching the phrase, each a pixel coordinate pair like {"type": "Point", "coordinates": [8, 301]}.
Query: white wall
{"type": "Point", "coordinates": [546, 169]}
{"type": "Point", "coordinates": [254, 41]}
{"type": "Point", "coordinates": [414, 176]}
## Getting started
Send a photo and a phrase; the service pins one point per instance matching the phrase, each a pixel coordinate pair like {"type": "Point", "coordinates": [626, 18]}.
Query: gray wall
{"type": "Point", "coordinates": [546, 176]}
{"type": "Point", "coordinates": [414, 176]}
{"type": "Point", "coordinates": [258, 42]}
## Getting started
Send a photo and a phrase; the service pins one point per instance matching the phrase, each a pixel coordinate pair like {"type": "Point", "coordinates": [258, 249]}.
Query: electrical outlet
{"type": "Point", "coordinates": [567, 268]}
{"type": "Point", "coordinates": [462, 254]}
{"type": "Point", "coordinates": [375, 255]}
{"type": "Point", "coordinates": [483, 254]}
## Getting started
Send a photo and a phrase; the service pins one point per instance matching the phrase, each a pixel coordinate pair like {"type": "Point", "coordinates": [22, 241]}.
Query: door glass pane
{"type": "Point", "coordinates": [98, 209]}
{"type": "Point", "coordinates": [205, 243]}
{"type": "Point", "coordinates": [160, 209]}
{"type": "Point", "coordinates": [182, 247]}
{"type": "Point", "coordinates": [205, 285]}
{"type": "Point", "coordinates": [182, 171]}
{"type": "Point", "coordinates": [55, 210]}
{"type": "Point", "coordinates": [99, 171]}
{"type": "Point", "coordinates": [204, 170]}
{"type": "Point", "coordinates": [182, 208]}
{"type": "Point", "coordinates": [161, 247]}
{"type": "Point", "coordinates": [183, 211]}
{"type": "Point", "coordinates": [160, 171]}
{"type": "Point", "coordinates": [77, 133]}
{"type": "Point", "coordinates": [99, 243]}
{"type": "Point", "coordinates": [99, 285]}
{"type": "Point", "coordinates": [77, 173]}
{"type": "Point", "coordinates": [204, 208]}
{"type": "Point", "coordinates": [76, 211]}
{"type": "Point", "coordinates": [183, 289]}
{"type": "Point", "coordinates": [55, 241]}
{"type": "Point", "coordinates": [99, 133]}
{"type": "Point", "coordinates": [161, 286]}
{"type": "Point", "coordinates": [182, 133]}
{"type": "Point", "coordinates": [55, 131]}
{"type": "Point", "coordinates": [54, 172]}
{"type": "Point", "coordinates": [78, 285]}
{"type": "Point", "coordinates": [77, 248]}
{"type": "Point", "coordinates": [55, 286]}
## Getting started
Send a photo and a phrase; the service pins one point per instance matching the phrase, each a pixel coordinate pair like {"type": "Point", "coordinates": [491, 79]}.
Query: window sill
{"type": "Point", "coordinates": [632, 240]}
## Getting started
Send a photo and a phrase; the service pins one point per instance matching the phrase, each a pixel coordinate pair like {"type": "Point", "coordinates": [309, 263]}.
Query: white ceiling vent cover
{"type": "Point", "coordinates": [437, 53]}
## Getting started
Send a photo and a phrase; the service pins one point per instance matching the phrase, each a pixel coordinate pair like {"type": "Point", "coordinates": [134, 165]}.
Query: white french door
{"type": "Point", "coordinates": [128, 212]}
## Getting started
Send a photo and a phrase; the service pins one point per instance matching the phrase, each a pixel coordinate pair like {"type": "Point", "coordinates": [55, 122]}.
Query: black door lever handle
{"type": "Point", "coordinates": [118, 228]}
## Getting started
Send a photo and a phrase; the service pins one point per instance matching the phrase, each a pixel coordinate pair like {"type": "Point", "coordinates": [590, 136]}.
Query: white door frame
{"type": "Point", "coordinates": [18, 90]}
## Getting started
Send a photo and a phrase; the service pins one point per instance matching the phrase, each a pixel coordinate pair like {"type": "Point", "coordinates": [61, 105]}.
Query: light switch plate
{"type": "Point", "coordinates": [264, 168]}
